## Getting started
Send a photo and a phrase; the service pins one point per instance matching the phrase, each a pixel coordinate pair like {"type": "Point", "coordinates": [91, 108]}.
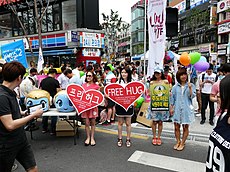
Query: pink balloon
{"type": "Point", "coordinates": [201, 66]}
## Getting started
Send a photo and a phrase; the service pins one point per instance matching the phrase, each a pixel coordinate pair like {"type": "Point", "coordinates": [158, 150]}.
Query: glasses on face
{"type": "Point", "coordinates": [88, 75]}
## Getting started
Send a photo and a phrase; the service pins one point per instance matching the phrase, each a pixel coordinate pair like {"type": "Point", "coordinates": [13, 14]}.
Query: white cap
{"type": "Point", "coordinates": [158, 69]}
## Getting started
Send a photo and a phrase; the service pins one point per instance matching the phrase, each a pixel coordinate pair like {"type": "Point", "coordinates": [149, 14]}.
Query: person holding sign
{"type": "Point", "coordinates": [181, 107]}
{"type": "Point", "coordinates": [90, 115]}
{"type": "Point", "coordinates": [159, 107]}
{"type": "Point", "coordinates": [122, 114]}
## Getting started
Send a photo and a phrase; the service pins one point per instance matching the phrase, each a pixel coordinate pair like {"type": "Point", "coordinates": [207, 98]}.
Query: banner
{"type": "Point", "coordinates": [159, 94]}
{"type": "Point", "coordinates": [84, 100]}
{"type": "Point", "coordinates": [125, 94]}
{"type": "Point", "coordinates": [40, 60]}
{"type": "Point", "coordinates": [14, 51]}
{"type": "Point", "coordinates": [157, 34]}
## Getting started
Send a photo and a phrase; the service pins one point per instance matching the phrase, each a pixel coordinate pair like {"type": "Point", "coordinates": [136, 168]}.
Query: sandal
{"type": "Point", "coordinates": [128, 143]}
{"type": "Point", "coordinates": [119, 142]}
{"type": "Point", "coordinates": [159, 142]}
{"type": "Point", "coordinates": [176, 146]}
{"type": "Point", "coordinates": [181, 147]}
{"type": "Point", "coordinates": [154, 141]}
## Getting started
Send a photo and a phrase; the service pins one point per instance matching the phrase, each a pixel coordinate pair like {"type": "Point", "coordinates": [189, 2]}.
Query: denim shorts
{"type": "Point", "coordinates": [22, 153]}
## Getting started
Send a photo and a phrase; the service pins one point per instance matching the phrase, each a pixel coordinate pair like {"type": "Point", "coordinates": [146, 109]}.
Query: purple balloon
{"type": "Point", "coordinates": [201, 66]}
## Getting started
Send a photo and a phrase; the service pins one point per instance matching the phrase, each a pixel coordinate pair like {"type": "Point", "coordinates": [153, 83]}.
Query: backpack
{"type": "Point", "coordinates": [203, 77]}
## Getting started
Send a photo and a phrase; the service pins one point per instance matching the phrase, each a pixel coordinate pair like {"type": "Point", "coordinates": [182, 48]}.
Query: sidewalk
{"type": "Point", "coordinates": [197, 132]}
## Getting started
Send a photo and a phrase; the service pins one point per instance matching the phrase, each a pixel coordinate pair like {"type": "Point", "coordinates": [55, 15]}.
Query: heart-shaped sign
{"type": "Point", "coordinates": [124, 94]}
{"type": "Point", "coordinates": [84, 100]}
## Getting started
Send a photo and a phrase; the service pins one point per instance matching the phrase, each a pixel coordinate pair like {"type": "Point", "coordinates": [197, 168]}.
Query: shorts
{"type": "Point", "coordinates": [22, 153]}
{"type": "Point", "coordinates": [110, 103]}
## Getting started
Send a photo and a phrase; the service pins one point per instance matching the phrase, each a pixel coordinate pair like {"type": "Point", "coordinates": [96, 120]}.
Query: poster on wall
{"type": "Point", "coordinates": [159, 94]}
{"type": "Point", "coordinates": [93, 40]}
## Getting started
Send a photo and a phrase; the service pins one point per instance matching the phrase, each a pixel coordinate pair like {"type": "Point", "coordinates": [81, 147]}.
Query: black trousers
{"type": "Point", "coordinates": [205, 100]}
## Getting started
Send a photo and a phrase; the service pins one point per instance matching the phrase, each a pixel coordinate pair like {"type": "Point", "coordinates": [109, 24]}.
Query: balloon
{"type": "Point", "coordinates": [81, 73]}
{"type": "Point", "coordinates": [201, 66]}
{"type": "Point", "coordinates": [110, 65]}
{"type": "Point", "coordinates": [139, 102]}
{"type": "Point", "coordinates": [185, 59]}
{"type": "Point", "coordinates": [203, 59]}
{"type": "Point", "coordinates": [195, 57]}
{"type": "Point", "coordinates": [112, 68]}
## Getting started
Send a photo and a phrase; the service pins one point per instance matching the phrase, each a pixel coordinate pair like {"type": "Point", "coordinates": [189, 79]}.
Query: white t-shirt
{"type": "Point", "coordinates": [208, 86]}
{"type": "Point", "coordinates": [63, 81]}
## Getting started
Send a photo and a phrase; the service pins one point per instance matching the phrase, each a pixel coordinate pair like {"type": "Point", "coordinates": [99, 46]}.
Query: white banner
{"type": "Point", "coordinates": [40, 60]}
{"type": "Point", "coordinates": [157, 34]}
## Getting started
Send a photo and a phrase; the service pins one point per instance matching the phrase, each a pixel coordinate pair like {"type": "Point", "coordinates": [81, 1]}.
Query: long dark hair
{"type": "Point", "coordinates": [129, 77]}
{"type": "Point", "coordinates": [224, 94]}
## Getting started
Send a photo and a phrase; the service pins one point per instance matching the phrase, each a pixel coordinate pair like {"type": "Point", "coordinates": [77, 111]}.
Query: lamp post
{"type": "Point", "coordinates": [145, 29]}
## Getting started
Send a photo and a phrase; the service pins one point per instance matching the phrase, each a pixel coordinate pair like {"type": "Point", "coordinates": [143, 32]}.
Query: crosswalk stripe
{"type": "Point", "coordinates": [166, 162]}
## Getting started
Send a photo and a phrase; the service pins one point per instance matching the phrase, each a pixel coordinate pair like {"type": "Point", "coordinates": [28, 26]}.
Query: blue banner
{"type": "Point", "coordinates": [14, 51]}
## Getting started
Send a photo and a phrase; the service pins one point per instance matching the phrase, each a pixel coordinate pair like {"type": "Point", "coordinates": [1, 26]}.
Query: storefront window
{"type": "Point", "coordinates": [5, 25]}
{"type": "Point", "coordinates": [56, 17]}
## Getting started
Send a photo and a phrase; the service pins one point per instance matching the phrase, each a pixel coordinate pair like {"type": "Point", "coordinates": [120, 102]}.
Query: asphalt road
{"type": "Point", "coordinates": [59, 154]}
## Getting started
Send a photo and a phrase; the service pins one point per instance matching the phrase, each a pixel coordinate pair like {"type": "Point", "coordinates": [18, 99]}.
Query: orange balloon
{"type": "Point", "coordinates": [185, 59]}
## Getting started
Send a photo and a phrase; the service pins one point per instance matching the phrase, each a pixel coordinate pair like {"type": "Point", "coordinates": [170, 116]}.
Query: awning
{"type": "Point", "coordinates": [52, 52]}
{"type": "Point", "coordinates": [138, 57]}
{"type": "Point", "coordinates": [141, 56]}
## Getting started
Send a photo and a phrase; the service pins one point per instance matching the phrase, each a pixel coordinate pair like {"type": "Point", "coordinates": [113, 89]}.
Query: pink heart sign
{"type": "Point", "coordinates": [84, 100]}
{"type": "Point", "coordinates": [125, 94]}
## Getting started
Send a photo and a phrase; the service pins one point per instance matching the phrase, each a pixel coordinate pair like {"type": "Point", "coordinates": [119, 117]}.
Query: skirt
{"type": "Point", "coordinates": [92, 113]}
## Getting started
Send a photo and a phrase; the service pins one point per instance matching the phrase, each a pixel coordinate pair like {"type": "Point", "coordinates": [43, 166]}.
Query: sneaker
{"type": "Point", "coordinates": [106, 123]}
{"type": "Point", "coordinates": [198, 114]}
{"type": "Point", "coordinates": [45, 131]}
{"type": "Point", "coordinates": [202, 122]}
{"type": "Point", "coordinates": [211, 123]}
{"type": "Point", "coordinates": [15, 166]}
{"type": "Point", "coordinates": [52, 134]}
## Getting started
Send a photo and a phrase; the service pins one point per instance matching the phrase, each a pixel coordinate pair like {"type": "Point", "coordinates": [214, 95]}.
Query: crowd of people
{"type": "Point", "coordinates": [208, 87]}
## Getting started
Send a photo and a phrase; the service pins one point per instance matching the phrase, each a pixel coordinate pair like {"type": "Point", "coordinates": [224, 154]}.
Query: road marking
{"type": "Point", "coordinates": [166, 162]}
{"type": "Point", "coordinates": [136, 136]}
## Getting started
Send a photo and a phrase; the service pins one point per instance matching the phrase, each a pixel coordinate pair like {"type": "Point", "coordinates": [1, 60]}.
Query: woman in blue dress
{"type": "Point", "coordinates": [181, 107]}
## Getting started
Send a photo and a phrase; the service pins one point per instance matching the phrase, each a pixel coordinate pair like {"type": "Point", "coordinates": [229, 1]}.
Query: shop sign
{"type": "Point", "coordinates": [91, 52]}
{"type": "Point", "coordinates": [5, 2]}
{"type": "Point", "coordinates": [222, 46]}
{"type": "Point", "coordinates": [221, 52]}
{"type": "Point", "coordinates": [224, 28]}
{"type": "Point", "coordinates": [223, 5]}
{"type": "Point", "coordinates": [194, 3]}
{"type": "Point", "coordinates": [74, 36]}
{"type": "Point", "coordinates": [204, 49]}
{"type": "Point", "coordinates": [49, 41]}
{"type": "Point", "coordinates": [181, 7]}
{"type": "Point", "coordinates": [92, 40]}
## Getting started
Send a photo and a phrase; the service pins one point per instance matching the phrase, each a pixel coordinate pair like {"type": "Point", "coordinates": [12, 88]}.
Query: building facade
{"type": "Point", "coordinates": [68, 36]}
{"type": "Point", "coordinates": [137, 28]}
{"type": "Point", "coordinates": [197, 27]}
{"type": "Point", "coordinates": [223, 30]}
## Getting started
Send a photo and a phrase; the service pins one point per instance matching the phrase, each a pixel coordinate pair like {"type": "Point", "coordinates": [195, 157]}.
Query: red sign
{"type": "Point", "coordinates": [4, 2]}
{"type": "Point", "coordinates": [124, 95]}
{"type": "Point", "coordinates": [84, 100]}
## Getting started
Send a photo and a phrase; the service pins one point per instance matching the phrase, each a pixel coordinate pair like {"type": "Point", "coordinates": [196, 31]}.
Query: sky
{"type": "Point", "coordinates": [122, 6]}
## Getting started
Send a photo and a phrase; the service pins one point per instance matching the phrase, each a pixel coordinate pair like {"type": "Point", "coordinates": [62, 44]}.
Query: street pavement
{"type": "Point", "coordinates": [59, 154]}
